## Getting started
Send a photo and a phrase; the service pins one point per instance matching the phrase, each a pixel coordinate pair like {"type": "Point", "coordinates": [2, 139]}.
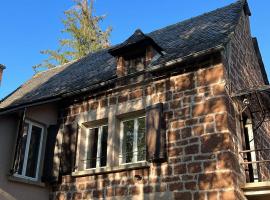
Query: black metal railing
{"type": "Point", "coordinates": [254, 170]}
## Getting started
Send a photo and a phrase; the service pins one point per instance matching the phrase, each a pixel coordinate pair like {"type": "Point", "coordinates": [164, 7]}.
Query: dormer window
{"type": "Point", "coordinates": [135, 62]}
{"type": "Point", "coordinates": [135, 54]}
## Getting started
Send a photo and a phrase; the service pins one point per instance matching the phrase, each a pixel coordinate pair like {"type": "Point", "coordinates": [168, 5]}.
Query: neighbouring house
{"type": "Point", "coordinates": [178, 113]}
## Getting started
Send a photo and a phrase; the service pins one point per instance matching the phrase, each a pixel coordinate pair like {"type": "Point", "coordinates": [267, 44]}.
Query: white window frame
{"type": "Point", "coordinates": [29, 134]}
{"type": "Point", "coordinates": [135, 141]}
{"type": "Point", "coordinates": [100, 134]}
{"type": "Point", "coordinates": [249, 128]}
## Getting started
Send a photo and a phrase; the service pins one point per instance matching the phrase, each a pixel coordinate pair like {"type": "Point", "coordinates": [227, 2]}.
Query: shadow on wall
{"type": "Point", "coordinates": [5, 196]}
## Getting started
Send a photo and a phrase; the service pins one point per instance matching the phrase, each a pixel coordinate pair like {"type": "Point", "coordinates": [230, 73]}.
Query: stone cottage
{"type": "Point", "coordinates": [178, 113]}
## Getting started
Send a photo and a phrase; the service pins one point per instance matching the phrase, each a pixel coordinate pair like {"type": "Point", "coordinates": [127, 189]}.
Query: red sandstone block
{"type": "Point", "coordinates": [173, 135]}
{"type": "Point", "coordinates": [213, 105]}
{"type": "Point", "coordinates": [60, 196]}
{"type": "Point", "coordinates": [160, 87]}
{"type": "Point", "coordinates": [180, 169]}
{"type": "Point", "coordinates": [218, 89]}
{"type": "Point", "coordinates": [171, 179]}
{"type": "Point", "coordinates": [187, 177]}
{"type": "Point", "coordinates": [216, 142]}
{"type": "Point", "coordinates": [203, 90]}
{"type": "Point", "coordinates": [77, 196]}
{"type": "Point", "coordinates": [122, 98]}
{"type": "Point", "coordinates": [177, 124]}
{"type": "Point", "coordinates": [186, 132]}
{"type": "Point", "coordinates": [168, 95]}
{"type": "Point", "coordinates": [121, 191]}
{"type": "Point", "coordinates": [115, 182]}
{"type": "Point", "coordinates": [190, 93]}
{"type": "Point", "coordinates": [93, 105]}
{"type": "Point", "coordinates": [200, 196]}
{"type": "Point", "coordinates": [175, 186]}
{"type": "Point", "coordinates": [168, 115]}
{"type": "Point", "coordinates": [81, 186]}
{"type": "Point", "coordinates": [228, 160]}
{"type": "Point", "coordinates": [178, 95]}
{"type": "Point", "coordinates": [160, 188]}
{"type": "Point", "coordinates": [175, 152]}
{"type": "Point", "coordinates": [103, 103]}
{"type": "Point", "coordinates": [228, 195]}
{"type": "Point", "coordinates": [110, 192]}
{"type": "Point", "coordinates": [98, 193]}
{"type": "Point", "coordinates": [176, 104]}
{"type": "Point", "coordinates": [85, 107]}
{"type": "Point", "coordinates": [191, 122]}
{"type": "Point", "coordinates": [147, 189]}
{"type": "Point", "coordinates": [198, 99]}
{"type": "Point", "coordinates": [193, 140]}
{"type": "Point", "coordinates": [209, 166]}
{"type": "Point", "coordinates": [191, 185]}
{"type": "Point", "coordinates": [205, 157]}
{"type": "Point", "coordinates": [192, 149]}
{"type": "Point", "coordinates": [210, 76]}
{"type": "Point", "coordinates": [198, 130]}
{"type": "Point", "coordinates": [135, 94]}
{"type": "Point", "coordinates": [184, 82]}
{"type": "Point", "coordinates": [112, 100]}
{"type": "Point", "coordinates": [149, 90]}
{"type": "Point", "coordinates": [206, 119]}
{"type": "Point", "coordinates": [216, 180]}
{"type": "Point", "coordinates": [186, 101]}
{"type": "Point", "coordinates": [64, 187]}
{"type": "Point", "coordinates": [183, 113]}
{"type": "Point", "coordinates": [212, 195]}
{"type": "Point", "coordinates": [134, 190]}
{"type": "Point", "coordinates": [182, 195]}
{"type": "Point", "coordinates": [194, 167]}
{"type": "Point", "coordinates": [221, 122]}
{"type": "Point", "coordinates": [91, 185]}
{"type": "Point", "coordinates": [210, 128]}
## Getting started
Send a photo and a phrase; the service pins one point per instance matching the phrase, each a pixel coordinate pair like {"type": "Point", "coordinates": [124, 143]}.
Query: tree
{"type": "Point", "coordinates": [85, 36]}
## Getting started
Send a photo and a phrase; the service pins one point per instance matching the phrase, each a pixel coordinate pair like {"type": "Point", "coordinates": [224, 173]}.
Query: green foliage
{"type": "Point", "coordinates": [86, 36]}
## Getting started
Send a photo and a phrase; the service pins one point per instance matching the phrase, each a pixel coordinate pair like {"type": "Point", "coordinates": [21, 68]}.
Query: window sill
{"type": "Point", "coordinates": [105, 170]}
{"type": "Point", "coordinates": [26, 181]}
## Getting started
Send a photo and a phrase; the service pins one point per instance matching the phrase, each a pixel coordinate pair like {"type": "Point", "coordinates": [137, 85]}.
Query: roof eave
{"type": "Point", "coordinates": [6, 110]}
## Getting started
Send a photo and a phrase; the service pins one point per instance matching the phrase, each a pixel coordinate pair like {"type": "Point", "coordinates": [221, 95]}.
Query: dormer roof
{"type": "Point", "coordinates": [137, 40]}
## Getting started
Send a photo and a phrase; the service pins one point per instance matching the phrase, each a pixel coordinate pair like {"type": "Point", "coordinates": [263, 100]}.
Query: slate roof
{"type": "Point", "coordinates": [178, 40]}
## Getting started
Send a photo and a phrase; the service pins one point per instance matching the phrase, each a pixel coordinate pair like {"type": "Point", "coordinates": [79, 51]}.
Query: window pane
{"type": "Point", "coordinates": [103, 153]}
{"type": "Point", "coordinates": [91, 156]}
{"type": "Point", "coordinates": [141, 139]}
{"type": "Point", "coordinates": [21, 150]}
{"type": "Point", "coordinates": [128, 140]}
{"type": "Point", "coordinates": [33, 152]}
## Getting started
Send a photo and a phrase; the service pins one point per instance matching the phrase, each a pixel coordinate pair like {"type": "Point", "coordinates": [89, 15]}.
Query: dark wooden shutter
{"type": "Point", "coordinates": [52, 157]}
{"type": "Point", "coordinates": [155, 134]}
{"type": "Point", "coordinates": [82, 148]}
{"type": "Point", "coordinates": [69, 145]}
{"type": "Point", "coordinates": [18, 145]}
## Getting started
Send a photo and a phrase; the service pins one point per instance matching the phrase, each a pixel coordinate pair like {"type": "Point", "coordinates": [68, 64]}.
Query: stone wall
{"type": "Point", "coordinates": [244, 72]}
{"type": "Point", "coordinates": [202, 154]}
{"type": "Point", "coordinates": [203, 129]}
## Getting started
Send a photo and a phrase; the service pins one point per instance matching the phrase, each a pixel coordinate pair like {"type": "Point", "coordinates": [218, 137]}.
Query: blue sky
{"type": "Point", "coordinates": [29, 26]}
